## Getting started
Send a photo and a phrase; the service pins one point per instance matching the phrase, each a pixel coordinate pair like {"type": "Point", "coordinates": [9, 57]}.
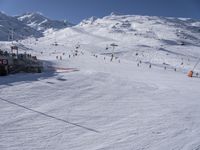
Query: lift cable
{"type": "Point", "coordinates": [196, 64]}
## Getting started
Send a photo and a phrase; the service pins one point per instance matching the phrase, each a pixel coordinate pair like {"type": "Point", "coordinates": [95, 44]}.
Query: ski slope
{"type": "Point", "coordinates": [87, 102]}
{"type": "Point", "coordinates": [129, 107]}
{"type": "Point", "coordinates": [170, 42]}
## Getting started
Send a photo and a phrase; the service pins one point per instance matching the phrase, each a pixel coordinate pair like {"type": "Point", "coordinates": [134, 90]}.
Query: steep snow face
{"type": "Point", "coordinates": [41, 23]}
{"type": "Point", "coordinates": [20, 30]}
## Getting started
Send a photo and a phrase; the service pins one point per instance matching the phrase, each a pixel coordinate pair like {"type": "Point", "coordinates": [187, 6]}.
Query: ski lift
{"type": "Point", "coordinates": [113, 45]}
{"type": "Point", "coordinates": [14, 48]}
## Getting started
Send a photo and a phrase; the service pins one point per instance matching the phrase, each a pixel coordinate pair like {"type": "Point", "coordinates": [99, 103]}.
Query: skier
{"type": "Point", "coordinates": [111, 57]}
{"type": "Point", "coordinates": [149, 65]}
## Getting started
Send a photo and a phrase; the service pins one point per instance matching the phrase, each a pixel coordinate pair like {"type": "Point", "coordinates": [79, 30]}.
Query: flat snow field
{"type": "Point", "coordinates": [102, 105]}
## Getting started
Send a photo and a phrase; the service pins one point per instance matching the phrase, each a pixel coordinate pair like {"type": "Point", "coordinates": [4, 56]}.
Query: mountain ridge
{"type": "Point", "coordinates": [10, 24]}
{"type": "Point", "coordinates": [41, 23]}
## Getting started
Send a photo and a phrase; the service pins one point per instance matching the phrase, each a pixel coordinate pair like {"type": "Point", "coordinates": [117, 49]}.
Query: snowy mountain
{"type": "Point", "coordinates": [157, 40]}
{"type": "Point", "coordinates": [41, 23]}
{"type": "Point", "coordinates": [178, 29]}
{"type": "Point", "coordinates": [10, 24]}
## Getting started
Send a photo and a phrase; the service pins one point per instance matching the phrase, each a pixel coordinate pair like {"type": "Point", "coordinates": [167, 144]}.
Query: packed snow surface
{"type": "Point", "coordinates": [85, 101]}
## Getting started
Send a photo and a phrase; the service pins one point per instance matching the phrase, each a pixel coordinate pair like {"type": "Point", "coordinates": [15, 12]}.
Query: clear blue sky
{"type": "Point", "coordinates": [76, 10]}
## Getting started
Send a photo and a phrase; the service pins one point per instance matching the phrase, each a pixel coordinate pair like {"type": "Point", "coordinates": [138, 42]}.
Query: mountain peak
{"type": "Point", "coordinates": [88, 21]}
{"type": "Point", "coordinates": [39, 22]}
{"type": "Point", "coordinates": [1, 12]}
{"type": "Point", "coordinates": [92, 19]}
{"type": "Point", "coordinates": [115, 14]}
{"type": "Point", "coordinates": [29, 16]}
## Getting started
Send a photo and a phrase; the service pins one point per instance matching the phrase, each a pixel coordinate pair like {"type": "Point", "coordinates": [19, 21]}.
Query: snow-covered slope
{"type": "Point", "coordinates": [145, 29]}
{"type": "Point", "coordinates": [172, 42]}
{"type": "Point", "coordinates": [41, 23]}
{"type": "Point", "coordinates": [93, 103]}
{"type": "Point", "coordinates": [102, 105]}
{"type": "Point", "coordinates": [20, 30]}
